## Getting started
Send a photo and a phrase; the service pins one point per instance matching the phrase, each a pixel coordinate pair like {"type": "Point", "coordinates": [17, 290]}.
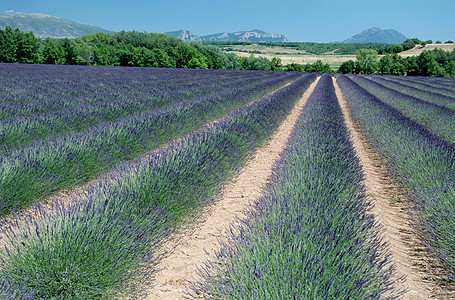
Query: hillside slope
{"type": "Point", "coordinates": [377, 35]}
{"type": "Point", "coordinates": [47, 26]}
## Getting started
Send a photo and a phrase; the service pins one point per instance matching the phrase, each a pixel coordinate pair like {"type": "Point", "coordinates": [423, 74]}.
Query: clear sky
{"type": "Point", "coordinates": [298, 20]}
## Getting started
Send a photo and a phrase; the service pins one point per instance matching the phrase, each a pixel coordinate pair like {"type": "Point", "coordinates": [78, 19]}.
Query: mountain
{"type": "Point", "coordinates": [255, 35]}
{"type": "Point", "coordinates": [184, 35]}
{"type": "Point", "coordinates": [46, 26]}
{"type": "Point", "coordinates": [377, 35]}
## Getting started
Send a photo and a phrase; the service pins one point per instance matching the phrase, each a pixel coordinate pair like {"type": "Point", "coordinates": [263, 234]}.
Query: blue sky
{"type": "Point", "coordinates": [299, 20]}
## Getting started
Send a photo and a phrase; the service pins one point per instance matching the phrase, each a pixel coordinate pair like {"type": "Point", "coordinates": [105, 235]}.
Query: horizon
{"type": "Point", "coordinates": [324, 22]}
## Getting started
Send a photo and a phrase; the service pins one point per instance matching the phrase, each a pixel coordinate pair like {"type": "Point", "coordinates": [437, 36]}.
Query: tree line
{"type": "Point", "coordinates": [140, 49]}
{"type": "Point", "coordinates": [309, 47]}
{"type": "Point", "coordinates": [435, 62]}
{"type": "Point", "coordinates": [135, 49]}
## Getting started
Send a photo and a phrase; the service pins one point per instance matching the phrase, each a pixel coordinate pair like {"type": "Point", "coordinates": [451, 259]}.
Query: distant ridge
{"type": "Point", "coordinates": [255, 35]}
{"type": "Point", "coordinates": [377, 35]}
{"type": "Point", "coordinates": [44, 26]}
{"type": "Point", "coordinates": [184, 35]}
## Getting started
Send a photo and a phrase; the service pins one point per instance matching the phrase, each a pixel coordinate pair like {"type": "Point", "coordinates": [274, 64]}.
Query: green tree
{"type": "Point", "coordinates": [27, 48]}
{"type": "Point", "coordinates": [367, 60]}
{"type": "Point", "coordinates": [276, 63]}
{"type": "Point", "coordinates": [385, 65]}
{"type": "Point", "coordinates": [428, 66]}
{"type": "Point", "coordinates": [293, 67]}
{"type": "Point", "coordinates": [408, 44]}
{"type": "Point", "coordinates": [348, 67]}
{"type": "Point", "coordinates": [8, 45]}
{"type": "Point", "coordinates": [51, 52]}
{"type": "Point", "coordinates": [185, 53]}
{"type": "Point", "coordinates": [412, 66]}
{"type": "Point", "coordinates": [69, 52]}
{"type": "Point", "coordinates": [232, 62]}
{"type": "Point", "coordinates": [84, 53]}
{"type": "Point", "coordinates": [450, 68]}
{"type": "Point", "coordinates": [106, 55]}
{"type": "Point", "coordinates": [318, 66]}
{"type": "Point", "coordinates": [195, 63]}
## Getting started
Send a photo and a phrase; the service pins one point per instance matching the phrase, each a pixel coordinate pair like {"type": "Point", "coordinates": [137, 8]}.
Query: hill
{"type": "Point", "coordinates": [417, 50]}
{"type": "Point", "coordinates": [47, 26]}
{"type": "Point", "coordinates": [184, 35]}
{"type": "Point", "coordinates": [377, 35]}
{"type": "Point", "coordinates": [255, 35]}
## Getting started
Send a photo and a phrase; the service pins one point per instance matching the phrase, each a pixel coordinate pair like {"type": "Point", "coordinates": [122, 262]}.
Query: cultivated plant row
{"type": "Point", "coordinates": [105, 243]}
{"type": "Point", "coordinates": [436, 118]}
{"type": "Point", "coordinates": [53, 102]}
{"type": "Point", "coordinates": [422, 89]}
{"type": "Point", "coordinates": [45, 166]}
{"type": "Point", "coordinates": [423, 163]}
{"type": "Point", "coordinates": [311, 235]}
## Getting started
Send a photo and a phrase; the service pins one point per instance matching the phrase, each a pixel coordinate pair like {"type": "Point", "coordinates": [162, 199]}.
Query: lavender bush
{"type": "Point", "coordinates": [104, 246]}
{"type": "Point", "coordinates": [44, 166]}
{"type": "Point", "coordinates": [64, 105]}
{"type": "Point", "coordinates": [441, 97]}
{"type": "Point", "coordinates": [310, 236]}
{"type": "Point", "coordinates": [423, 163]}
{"type": "Point", "coordinates": [438, 119]}
{"type": "Point", "coordinates": [409, 86]}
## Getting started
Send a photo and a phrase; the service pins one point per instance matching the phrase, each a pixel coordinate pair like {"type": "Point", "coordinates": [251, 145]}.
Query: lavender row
{"type": "Point", "coordinates": [45, 90]}
{"type": "Point", "coordinates": [438, 119]}
{"type": "Point", "coordinates": [425, 95]}
{"type": "Point", "coordinates": [421, 85]}
{"type": "Point", "coordinates": [106, 245]}
{"type": "Point", "coordinates": [422, 162]}
{"type": "Point", "coordinates": [46, 166]}
{"type": "Point", "coordinates": [310, 236]}
{"type": "Point", "coordinates": [24, 129]}
{"type": "Point", "coordinates": [446, 82]}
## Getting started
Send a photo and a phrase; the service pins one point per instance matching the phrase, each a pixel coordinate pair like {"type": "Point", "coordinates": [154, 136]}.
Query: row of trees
{"type": "Point", "coordinates": [310, 47]}
{"type": "Point", "coordinates": [132, 49]}
{"type": "Point", "coordinates": [122, 49]}
{"type": "Point", "coordinates": [159, 50]}
{"type": "Point", "coordinates": [429, 63]}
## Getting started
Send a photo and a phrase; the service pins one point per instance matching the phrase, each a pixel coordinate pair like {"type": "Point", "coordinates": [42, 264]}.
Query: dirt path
{"type": "Point", "coordinates": [391, 212]}
{"type": "Point", "coordinates": [181, 265]}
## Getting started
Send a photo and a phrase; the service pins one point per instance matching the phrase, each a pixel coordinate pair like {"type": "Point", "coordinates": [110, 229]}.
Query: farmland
{"type": "Point", "coordinates": [289, 56]}
{"type": "Point", "coordinates": [104, 167]}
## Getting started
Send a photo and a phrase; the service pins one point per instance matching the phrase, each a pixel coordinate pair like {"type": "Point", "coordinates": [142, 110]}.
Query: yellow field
{"type": "Point", "coordinates": [334, 60]}
{"type": "Point", "coordinates": [418, 49]}
{"type": "Point", "coordinates": [290, 55]}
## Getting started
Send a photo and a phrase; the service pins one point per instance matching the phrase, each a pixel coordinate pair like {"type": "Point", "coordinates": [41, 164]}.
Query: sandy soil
{"type": "Point", "coordinates": [392, 213]}
{"type": "Point", "coordinates": [194, 247]}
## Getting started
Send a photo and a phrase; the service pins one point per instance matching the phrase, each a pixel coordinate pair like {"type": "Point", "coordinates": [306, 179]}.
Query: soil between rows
{"type": "Point", "coordinates": [194, 248]}
{"type": "Point", "coordinates": [391, 210]}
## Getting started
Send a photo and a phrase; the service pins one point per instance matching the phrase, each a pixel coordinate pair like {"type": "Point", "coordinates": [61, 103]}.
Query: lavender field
{"type": "Point", "coordinates": [168, 140]}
